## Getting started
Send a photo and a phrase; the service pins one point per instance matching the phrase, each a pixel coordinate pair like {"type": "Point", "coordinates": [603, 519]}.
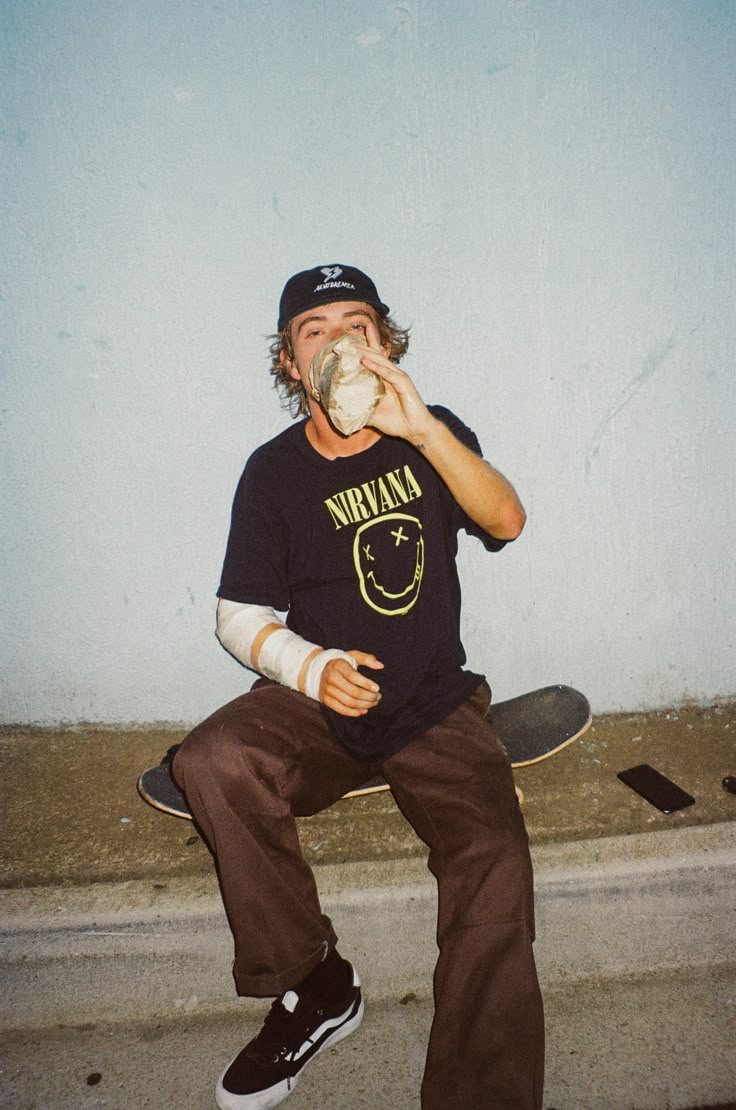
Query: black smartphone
{"type": "Point", "coordinates": [657, 789]}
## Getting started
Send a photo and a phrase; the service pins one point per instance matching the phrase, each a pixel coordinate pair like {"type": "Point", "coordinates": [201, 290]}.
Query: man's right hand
{"type": "Point", "coordinates": [347, 691]}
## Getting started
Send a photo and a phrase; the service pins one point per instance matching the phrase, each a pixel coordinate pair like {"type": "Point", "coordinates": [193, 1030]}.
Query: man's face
{"type": "Point", "coordinates": [310, 331]}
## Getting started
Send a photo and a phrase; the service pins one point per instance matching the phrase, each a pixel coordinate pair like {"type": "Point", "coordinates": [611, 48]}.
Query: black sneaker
{"type": "Point", "coordinates": [297, 1028]}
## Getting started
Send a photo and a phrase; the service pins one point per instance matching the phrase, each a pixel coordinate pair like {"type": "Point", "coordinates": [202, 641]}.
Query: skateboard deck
{"type": "Point", "coordinates": [532, 727]}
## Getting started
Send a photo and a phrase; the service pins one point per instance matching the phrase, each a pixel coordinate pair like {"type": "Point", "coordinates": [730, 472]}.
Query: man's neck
{"type": "Point", "coordinates": [330, 444]}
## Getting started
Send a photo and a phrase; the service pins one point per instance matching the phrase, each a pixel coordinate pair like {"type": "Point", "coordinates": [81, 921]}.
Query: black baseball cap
{"type": "Point", "coordinates": [323, 285]}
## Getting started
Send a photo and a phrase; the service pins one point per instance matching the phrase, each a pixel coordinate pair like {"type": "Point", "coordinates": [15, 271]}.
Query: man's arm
{"type": "Point", "coordinates": [480, 490]}
{"type": "Point", "coordinates": [255, 636]}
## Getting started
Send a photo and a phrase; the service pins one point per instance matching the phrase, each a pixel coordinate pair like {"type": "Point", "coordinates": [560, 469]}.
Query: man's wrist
{"type": "Point", "coordinates": [429, 436]}
{"type": "Point", "coordinates": [316, 667]}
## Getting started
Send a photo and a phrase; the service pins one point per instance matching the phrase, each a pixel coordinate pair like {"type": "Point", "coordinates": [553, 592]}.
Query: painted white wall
{"type": "Point", "coordinates": [545, 190]}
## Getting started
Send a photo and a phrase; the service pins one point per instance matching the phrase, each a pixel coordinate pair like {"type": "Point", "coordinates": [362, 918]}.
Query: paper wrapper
{"type": "Point", "coordinates": [347, 390]}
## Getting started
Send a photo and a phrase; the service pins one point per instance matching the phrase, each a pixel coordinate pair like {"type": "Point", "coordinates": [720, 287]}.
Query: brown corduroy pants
{"type": "Point", "coordinates": [268, 757]}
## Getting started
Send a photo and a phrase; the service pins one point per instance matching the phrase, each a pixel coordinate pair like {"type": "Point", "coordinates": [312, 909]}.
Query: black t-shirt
{"type": "Point", "coordinates": [361, 553]}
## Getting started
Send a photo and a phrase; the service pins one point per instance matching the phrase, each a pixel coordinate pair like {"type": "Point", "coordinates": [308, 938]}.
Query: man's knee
{"type": "Point", "coordinates": [211, 750]}
{"type": "Point", "coordinates": [233, 753]}
{"type": "Point", "coordinates": [191, 758]}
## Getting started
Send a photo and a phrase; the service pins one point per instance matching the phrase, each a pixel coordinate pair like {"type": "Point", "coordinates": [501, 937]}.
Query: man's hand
{"type": "Point", "coordinates": [479, 489]}
{"type": "Point", "coordinates": [401, 412]}
{"type": "Point", "coordinates": [347, 691]}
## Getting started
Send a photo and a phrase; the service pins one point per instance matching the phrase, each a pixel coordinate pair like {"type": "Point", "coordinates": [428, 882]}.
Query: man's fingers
{"type": "Point", "coordinates": [347, 704]}
{"type": "Point", "coordinates": [380, 364]}
{"type": "Point", "coordinates": [346, 690]}
{"type": "Point", "coordinates": [355, 685]}
{"type": "Point", "coordinates": [366, 659]}
{"type": "Point", "coordinates": [372, 337]}
{"type": "Point", "coordinates": [343, 710]}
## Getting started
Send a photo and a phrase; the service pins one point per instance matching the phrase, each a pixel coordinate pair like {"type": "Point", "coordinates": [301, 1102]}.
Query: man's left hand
{"type": "Point", "coordinates": [401, 411]}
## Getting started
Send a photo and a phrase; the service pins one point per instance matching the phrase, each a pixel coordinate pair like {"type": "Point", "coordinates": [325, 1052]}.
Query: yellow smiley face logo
{"type": "Point", "coordinates": [389, 559]}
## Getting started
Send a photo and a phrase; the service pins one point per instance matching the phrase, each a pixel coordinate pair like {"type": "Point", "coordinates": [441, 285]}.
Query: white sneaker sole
{"type": "Point", "coordinates": [274, 1096]}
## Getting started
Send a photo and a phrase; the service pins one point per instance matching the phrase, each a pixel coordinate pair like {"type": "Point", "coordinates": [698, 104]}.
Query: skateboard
{"type": "Point", "coordinates": [531, 727]}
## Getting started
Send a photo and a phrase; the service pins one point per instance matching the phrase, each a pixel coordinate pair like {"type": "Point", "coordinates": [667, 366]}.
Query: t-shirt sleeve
{"type": "Point", "coordinates": [256, 557]}
{"type": "Point", "coordinates": [470, 440]}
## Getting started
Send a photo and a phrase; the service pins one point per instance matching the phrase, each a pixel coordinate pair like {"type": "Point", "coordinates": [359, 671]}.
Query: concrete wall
{"type": "Point", "coordinates": [546, 190]}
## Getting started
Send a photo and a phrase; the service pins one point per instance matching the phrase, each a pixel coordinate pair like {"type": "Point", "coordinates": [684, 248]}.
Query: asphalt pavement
{"type": "Point", "coordinates": [116, 954]}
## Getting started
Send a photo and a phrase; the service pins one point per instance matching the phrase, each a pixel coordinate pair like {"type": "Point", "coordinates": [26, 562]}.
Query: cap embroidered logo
{"type": "Point", "coordinates": [324, 284]}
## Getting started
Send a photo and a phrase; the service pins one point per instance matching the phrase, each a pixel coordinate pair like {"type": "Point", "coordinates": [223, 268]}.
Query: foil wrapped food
{"type": "Point", "coordinates": [348, 391]}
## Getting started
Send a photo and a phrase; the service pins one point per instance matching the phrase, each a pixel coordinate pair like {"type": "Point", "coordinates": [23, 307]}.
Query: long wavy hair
{"type": "Point", "coordinates": [291, 391]}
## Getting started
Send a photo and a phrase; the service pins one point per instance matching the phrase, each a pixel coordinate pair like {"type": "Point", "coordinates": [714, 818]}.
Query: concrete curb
{"type": "Point", "coordinates": [142, 950]}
